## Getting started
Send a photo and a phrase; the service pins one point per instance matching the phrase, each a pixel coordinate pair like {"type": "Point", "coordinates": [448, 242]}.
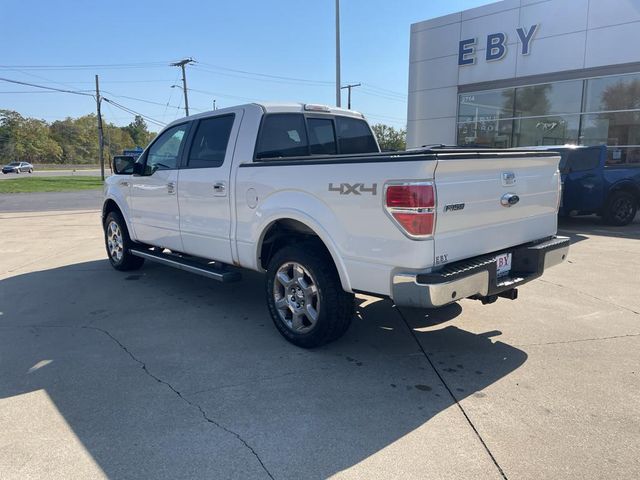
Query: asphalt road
{"type": "Point", "coordinates": [51, 201]}
{"type": "Point", "coordinates": [55, 173]}
{"type": "Point", "coordinates": [162, 374]}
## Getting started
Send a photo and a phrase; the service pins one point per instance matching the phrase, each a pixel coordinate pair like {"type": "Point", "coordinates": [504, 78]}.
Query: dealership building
{"type": "Point", "coordinates": [529, 72]}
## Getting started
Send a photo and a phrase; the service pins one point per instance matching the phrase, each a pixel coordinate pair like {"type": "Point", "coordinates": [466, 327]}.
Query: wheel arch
{"type": "Point", "coordinates": [287, 230]}
{"type": "Point", "coordinates": [111, 205]}
{"type": "Point", "coordinates": [625, 186]}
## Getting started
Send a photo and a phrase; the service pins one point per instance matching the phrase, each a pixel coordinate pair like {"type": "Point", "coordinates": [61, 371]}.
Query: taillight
{"type": "Point", "coordinates": [412, 206]}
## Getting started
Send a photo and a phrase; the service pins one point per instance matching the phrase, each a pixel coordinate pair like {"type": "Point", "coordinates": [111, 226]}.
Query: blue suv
{"type": "Point", "coordinates": [591, 184]}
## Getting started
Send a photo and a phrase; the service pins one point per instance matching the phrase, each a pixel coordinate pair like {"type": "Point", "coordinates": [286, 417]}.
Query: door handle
{"type": "Point", "coordinates": [124, 184]}
{"type": "Point", "coordinates": [220, 189]}
{"type": "Point", "coordinates": [171, 188]}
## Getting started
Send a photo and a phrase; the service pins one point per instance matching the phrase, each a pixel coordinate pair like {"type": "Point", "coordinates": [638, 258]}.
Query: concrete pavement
{"type": "Point", "coordinates": [162, 374]}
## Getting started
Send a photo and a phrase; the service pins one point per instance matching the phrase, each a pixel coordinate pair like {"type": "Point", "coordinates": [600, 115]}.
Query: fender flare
{"type": "Point", "coordinates": [313, 225]}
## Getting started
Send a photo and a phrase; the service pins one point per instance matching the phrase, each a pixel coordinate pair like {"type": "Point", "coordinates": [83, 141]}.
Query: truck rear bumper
{"type": "Point", "coordinates": [477, 277]}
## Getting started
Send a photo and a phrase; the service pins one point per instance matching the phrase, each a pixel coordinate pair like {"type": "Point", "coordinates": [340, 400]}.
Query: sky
{"type": "Point", "coordinates": [245, 50]}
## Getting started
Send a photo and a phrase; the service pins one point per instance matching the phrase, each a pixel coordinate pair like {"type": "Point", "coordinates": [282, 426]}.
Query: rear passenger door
{"type": "Point", "coordinates": [205, 187]}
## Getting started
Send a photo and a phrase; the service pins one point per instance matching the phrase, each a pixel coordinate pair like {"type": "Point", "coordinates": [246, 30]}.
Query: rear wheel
{"type": "Point", "coordinates": [305, 297]}
{"type": "Point", "coordinates": [118, 244]}
{"type": "Point", "coordinates": [31, 170]}
{"type": "Point", "coordinates": [621, 208]}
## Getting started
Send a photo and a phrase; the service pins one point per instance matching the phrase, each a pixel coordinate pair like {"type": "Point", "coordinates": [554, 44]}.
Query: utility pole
{"type": "Point", "coordinates": [100, 132]}
{"type": "Point", "coordinates": [349, 87]}
{"type": "Point", "coordinates": [338, 101]}
{"type": "Point", "coordinates": [214, 104]}
{"type": "Point", "coordinates": [181, 64]}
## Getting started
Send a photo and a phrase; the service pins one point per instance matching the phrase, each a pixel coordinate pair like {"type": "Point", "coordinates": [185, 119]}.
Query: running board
{"type": "Point", "coordinates": [189, 265]}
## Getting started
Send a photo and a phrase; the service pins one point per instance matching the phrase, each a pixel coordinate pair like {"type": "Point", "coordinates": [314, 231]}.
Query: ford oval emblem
{"type": "Point", "coordinates": [509, 199]}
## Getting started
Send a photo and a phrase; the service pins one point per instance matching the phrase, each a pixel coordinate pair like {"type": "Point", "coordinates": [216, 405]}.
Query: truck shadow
{"type": "Point", "coordinates": [593, 225]}
{"type": "Point", "coordinates": [146, 364]}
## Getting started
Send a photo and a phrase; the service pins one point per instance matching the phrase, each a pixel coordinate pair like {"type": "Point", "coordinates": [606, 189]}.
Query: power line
{"type": "Point", "coordinates": [36, 91]}
{"type": "Point", "coordinates": [373, 94]}
{"type": "Point", "coordinates": [151, 102]}
{"type": "Point", "coordinates": [88, 66]}
{"type": "Point", "coordinates": [74, 92]}
{"type": "Point", "coordinates": [133, 112]}
{"type": "Point", "coordinates": [217, 94]}
{"type": "Point", "coordinates": [385, 90]}
{"type": "Point", "coordinates": [265, 75]}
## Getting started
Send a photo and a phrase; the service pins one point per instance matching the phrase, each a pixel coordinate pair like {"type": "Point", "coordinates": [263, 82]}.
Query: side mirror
{"type": "Point", "coordinates": [138, 168]}
{"type": "Point", "coordinates": [123, 164]}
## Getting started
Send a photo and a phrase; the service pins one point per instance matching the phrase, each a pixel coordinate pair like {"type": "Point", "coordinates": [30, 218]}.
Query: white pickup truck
{"type": "Point", "coordinates": [303, 193]}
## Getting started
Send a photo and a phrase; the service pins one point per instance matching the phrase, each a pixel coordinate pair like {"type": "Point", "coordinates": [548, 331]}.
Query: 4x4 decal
{"type": "Point", "coordinates": [356, 188]}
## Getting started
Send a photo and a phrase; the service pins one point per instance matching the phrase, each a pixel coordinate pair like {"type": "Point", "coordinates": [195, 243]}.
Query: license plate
{"type": "Point", "coordinates": [503, 264]}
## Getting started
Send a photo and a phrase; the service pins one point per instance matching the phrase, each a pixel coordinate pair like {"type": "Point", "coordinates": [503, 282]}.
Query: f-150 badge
{"type": "Point", "coordinates": [453, 207]}
{"type": "Point", "coordinates": [355, 189]}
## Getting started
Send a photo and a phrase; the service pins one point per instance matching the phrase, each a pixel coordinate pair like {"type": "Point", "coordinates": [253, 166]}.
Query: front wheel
{"type": "Point", "coordinates": [305, 297]}
{"type": "Point", "coordinates": [621, 209]}
{"type": "Point", "coordinates": [118, 244]}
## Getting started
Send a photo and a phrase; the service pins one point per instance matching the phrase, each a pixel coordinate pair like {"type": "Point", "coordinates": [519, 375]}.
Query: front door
{"type": "Point", "coordinates": [154, 199]}
{"type": "Point", "coordinates": [204, 188]}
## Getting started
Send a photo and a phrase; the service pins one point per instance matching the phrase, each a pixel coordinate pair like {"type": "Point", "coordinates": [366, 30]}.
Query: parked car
{"type": "Point", "coordinates": [18, 167]}
{"type": "Point", "coordinates": [590, 185]}
{"type": "Point", "coordinates": [303, 193]}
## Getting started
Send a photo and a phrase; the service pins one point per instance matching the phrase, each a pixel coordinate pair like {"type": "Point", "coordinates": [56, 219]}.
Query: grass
{"type": "Point", "coordinates": [49, 184]}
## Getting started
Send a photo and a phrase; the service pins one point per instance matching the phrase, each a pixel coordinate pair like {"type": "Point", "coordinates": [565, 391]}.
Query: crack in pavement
{"type": "Point", "coordinates": [577, 340]}
{"type": "Point", "coordinates": [455, 399]}
{"type": "Point", "coordinates": [609, 302]}
{"type": "Point", "coordinates": [159, 380]}
{"type": "Point", "coordinates": [183, 398]}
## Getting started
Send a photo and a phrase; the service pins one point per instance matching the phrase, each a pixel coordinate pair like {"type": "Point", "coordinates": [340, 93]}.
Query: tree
{"type": "Point", "coordinates": [78, 138]}
{"type": "Point", "coordinates": [139, 132]}
{"type": "Point", "coordinates": [389, 138]}
{"type": "Point", "coordinates": [26, 139]}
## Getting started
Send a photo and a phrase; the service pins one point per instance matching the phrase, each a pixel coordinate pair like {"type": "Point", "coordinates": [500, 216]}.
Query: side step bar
{"type": "Point", "coordinates": [214, 272]}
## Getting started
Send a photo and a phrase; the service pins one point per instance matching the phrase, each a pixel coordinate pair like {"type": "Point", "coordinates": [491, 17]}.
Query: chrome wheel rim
{"type": "Point", "coordinates": [296, 297]}
{"type": "Point", "coordinates": [115, 243]}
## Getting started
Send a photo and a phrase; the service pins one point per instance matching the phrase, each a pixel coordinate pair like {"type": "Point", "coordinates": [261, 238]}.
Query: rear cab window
{"type": "Point", "coordinates": [355, 136]}
{"type": "Point", "coordinates": [284, 135]}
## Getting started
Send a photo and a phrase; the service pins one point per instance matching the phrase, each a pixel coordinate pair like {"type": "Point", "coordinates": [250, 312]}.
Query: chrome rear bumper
{"type": "Point", "coordinates": [477, 277]}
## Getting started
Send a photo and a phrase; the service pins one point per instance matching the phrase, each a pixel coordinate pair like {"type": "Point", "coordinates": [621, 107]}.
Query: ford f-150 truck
{"type": "Point", "coordinates": [303, 193]}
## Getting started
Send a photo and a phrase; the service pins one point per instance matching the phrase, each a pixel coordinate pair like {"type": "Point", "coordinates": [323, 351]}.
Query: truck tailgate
{"type": "Point", "coordinates": [471, 193]}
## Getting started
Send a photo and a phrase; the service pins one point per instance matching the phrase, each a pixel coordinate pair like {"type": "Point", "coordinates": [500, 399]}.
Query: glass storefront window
{"type": "Point", "coordinates": [552, 114]}
{"type": "Point", "coordinates": [485, 106]}
{"type": "Point", "coordinates": [620, 92]}
{"type": "Point", "coordinates": [549, 99]}
{"type": "Point", "coordinates": [620, 128]}
{"type": "Point", "coordinates": [551, 130]}
{"type": "Point", "coordinates": [488, 133]}
{"type": "Point", "coordinates": [623, 156]}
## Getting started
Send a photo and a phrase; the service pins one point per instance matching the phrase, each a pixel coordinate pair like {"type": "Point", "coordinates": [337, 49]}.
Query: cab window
{"type": "Point", "coordinates": [355, 136]}
{"type": "Point", "coordinates": [322, 139]}
{"type": "Point", "coordinates": [165, 151]}
{"type": "Point", "coordinates": [282, 135]}
{"type": "Point", "coordinates": [210, 142]}
{"type": "Point", "coordinates": [581, 160]}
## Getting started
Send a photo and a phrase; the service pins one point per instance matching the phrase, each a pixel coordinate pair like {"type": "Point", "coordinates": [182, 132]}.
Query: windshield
{"type": "Point", "coordinates": [14, 164]}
